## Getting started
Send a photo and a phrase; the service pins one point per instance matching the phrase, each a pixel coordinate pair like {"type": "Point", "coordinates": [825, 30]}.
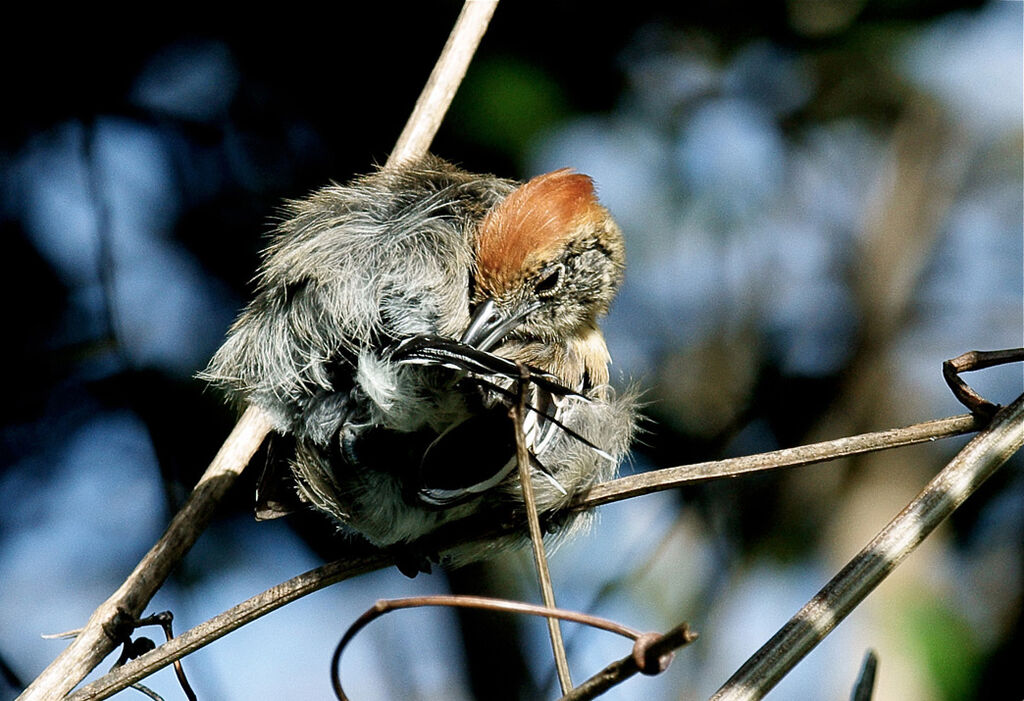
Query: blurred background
{"type": "Point", "coordinates": [822, 202]}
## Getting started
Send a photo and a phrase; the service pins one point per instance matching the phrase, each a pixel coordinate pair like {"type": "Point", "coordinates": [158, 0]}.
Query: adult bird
{"type": "Point", "coordinates": [391, 318]}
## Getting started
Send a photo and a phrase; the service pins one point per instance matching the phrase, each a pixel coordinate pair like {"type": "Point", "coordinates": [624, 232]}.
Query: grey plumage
{"type": "Point", "coordinates": [352, 270]}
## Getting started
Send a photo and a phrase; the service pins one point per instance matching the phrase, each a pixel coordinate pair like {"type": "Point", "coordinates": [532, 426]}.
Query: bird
{"type": "Point", "coordinates": [393, 322]}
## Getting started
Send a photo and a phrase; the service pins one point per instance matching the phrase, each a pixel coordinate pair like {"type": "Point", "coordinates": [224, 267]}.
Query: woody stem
{"type": "Point", "coordinates": [536, 537]}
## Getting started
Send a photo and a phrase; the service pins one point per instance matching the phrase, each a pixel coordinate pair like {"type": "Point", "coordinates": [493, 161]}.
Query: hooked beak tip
{"type": "Point", "coordinates": [483, 322]}
{"type": "Point", "coordinates": [489, 324]}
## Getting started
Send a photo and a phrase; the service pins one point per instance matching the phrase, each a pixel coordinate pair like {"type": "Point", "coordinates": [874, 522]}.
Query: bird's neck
{"type": "Point", "coordinates": [580, 361]}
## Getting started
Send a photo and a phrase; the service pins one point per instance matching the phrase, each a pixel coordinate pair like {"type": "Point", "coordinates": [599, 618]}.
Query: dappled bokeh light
{"type": "Point", "coordinates": [821, 202]}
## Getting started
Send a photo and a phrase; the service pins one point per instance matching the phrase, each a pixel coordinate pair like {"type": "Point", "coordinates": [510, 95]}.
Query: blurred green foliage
{"type": "Point", "coordinates": [505, 103]}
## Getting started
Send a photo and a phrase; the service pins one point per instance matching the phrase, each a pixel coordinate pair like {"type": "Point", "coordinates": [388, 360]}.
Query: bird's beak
{"type": "Point", "coordinates": [489, 324]}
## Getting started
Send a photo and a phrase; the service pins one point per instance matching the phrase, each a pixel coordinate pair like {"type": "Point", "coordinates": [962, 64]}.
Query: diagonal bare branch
{"type": "Point", "coordinates": [958, 480]}
{"type": "Point", "coordinates": [540, 558]}
{"type": "Point", "coordinates": [671, 477]}
{"type": "Point", "coordinates": [95, 642]}
{"type": "Point", "coordinates": [98, 639]}
{"type": "Point", "coordinates": [445, 79]}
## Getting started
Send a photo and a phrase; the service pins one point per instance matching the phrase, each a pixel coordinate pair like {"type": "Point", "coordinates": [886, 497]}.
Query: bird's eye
{"type": "Point", "coordinates": [550, 281]}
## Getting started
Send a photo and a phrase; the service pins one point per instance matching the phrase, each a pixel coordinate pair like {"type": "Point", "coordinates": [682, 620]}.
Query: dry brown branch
{"type": "Point", "coordinates": [232, 619]}
{"type": "Point", "coordinates": [627, 487]}
{"type": "Point", "coordinates": [96, 639]}
{"type": "Point", "coordinates": [958, 480]}
{"type": "Point", "coordinates": [650, 649]}
{"type": "Point", "coordinates": [976, 360]}
{"type": "Point", "coordinates": [669, 478]}
{"type": "Point", "coordinates": [660, 648]}
{"type": "Point", "coordinates": [444, 80]}
{"type": "Point", "coordinates": [540, 559]}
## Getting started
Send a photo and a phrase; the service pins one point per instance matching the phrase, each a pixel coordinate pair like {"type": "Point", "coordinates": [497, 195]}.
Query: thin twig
{"type": "Point", "coordinates": [444, 81]}
{"type": "Point", "coordinates": [653, 647]}
{"type": "Point", "coordinates": [540, 558]}
{"type": "Point", "coordinates": [976, 360]}
{"type": "Point", "coordinates": [971, 466]}
{"type": "Point", "coordinates": [232, 619]}
{"type": "Point", "coordinates": [671, 477]}
{"type": "Point", "coordinates": [652, 652]}
{"type": "Point", "coordinates": [321, 577]}
{"type": "Point", "coordinates": [659, 647]}
{"type": "Point", "coordinates": [165, 619]}
{"type": "Point", "coordinates": [132, 649]}
{"type": "Point", "coordinates": [148, 692]}
{"type": "Point", "coordinates": [95, 641]}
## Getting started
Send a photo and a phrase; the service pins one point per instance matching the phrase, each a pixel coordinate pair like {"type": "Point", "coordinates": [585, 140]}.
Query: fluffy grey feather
{"type": "Point", "coordinates": [350, 271]}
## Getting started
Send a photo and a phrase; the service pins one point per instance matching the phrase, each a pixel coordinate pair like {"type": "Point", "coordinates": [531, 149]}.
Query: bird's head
{"type": "Point", "coordinates": [549, 259]}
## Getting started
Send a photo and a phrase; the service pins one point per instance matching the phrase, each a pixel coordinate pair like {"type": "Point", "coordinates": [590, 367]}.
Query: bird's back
{"type": "Point", "coordinates": [350, 270]}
